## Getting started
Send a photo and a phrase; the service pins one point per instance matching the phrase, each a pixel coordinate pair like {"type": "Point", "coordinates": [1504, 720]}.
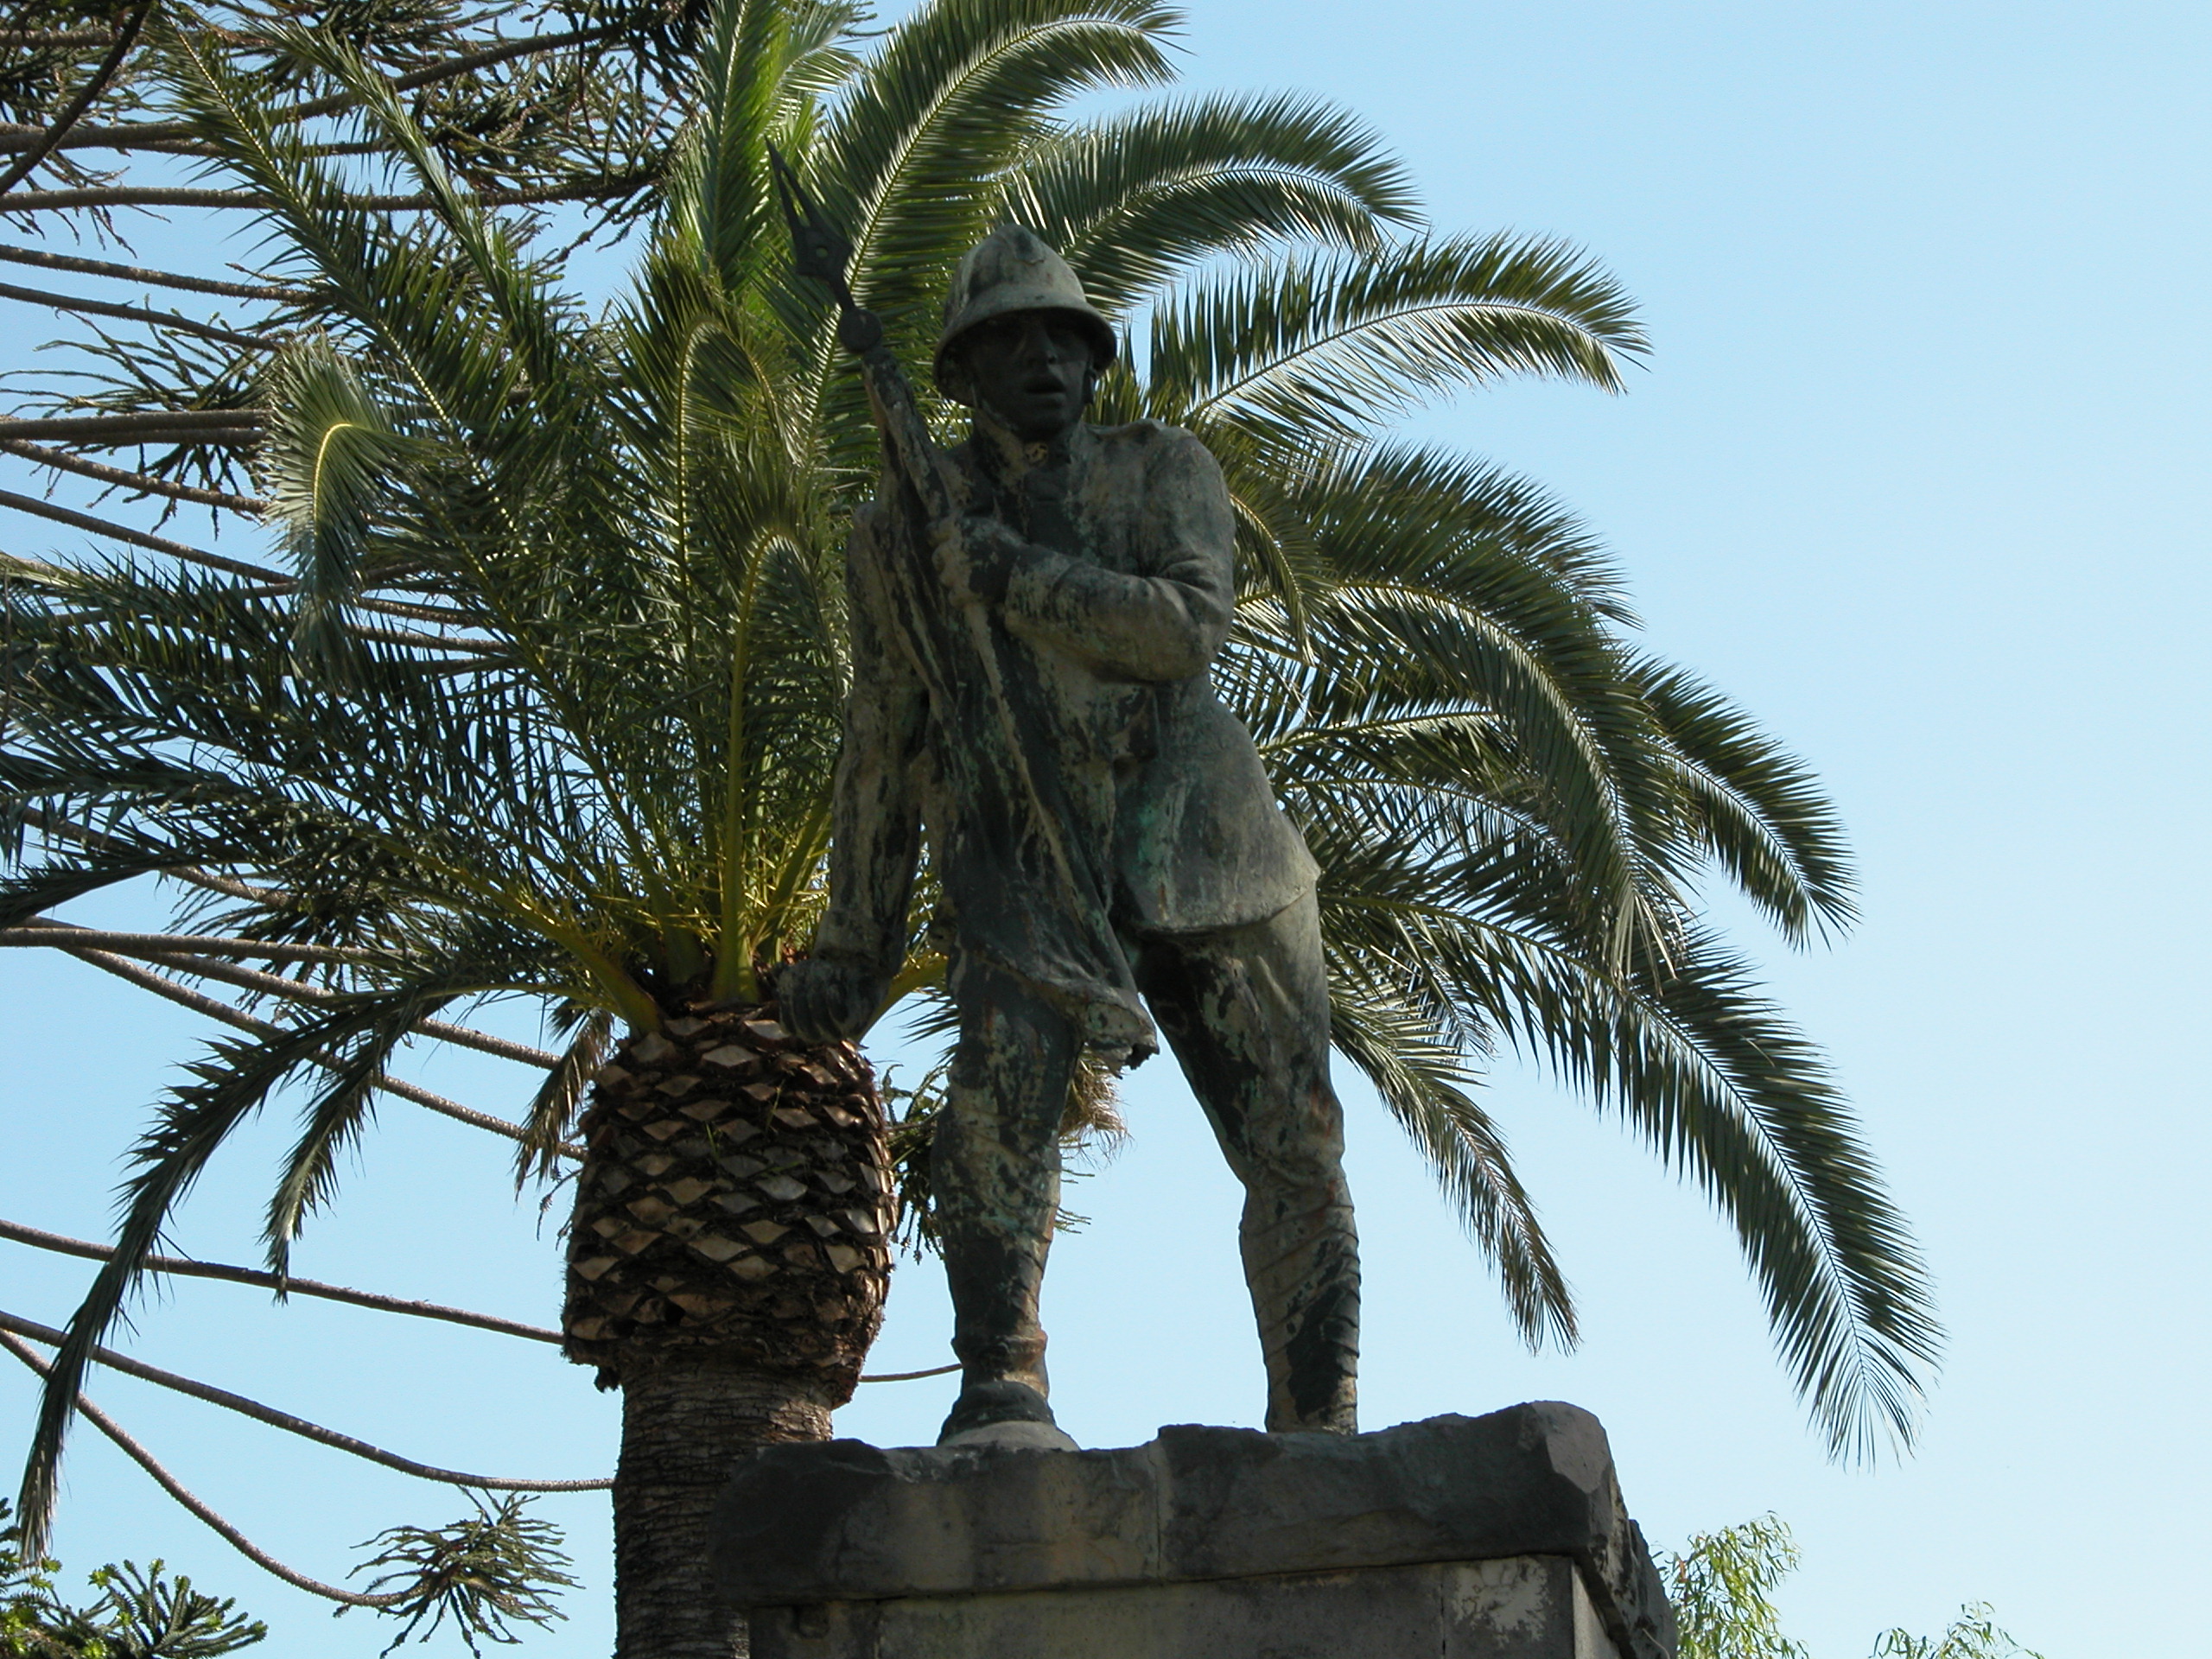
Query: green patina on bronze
{"type": "Point", "coordinates": [1035, 614]}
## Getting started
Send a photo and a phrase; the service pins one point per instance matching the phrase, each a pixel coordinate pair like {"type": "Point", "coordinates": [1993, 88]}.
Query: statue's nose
{"type": "Point", "coordinates": [1040, 345]}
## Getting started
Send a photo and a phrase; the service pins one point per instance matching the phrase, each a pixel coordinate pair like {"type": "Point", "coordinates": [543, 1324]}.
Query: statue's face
{"type": "Point", "coordinates": [1029, 371]}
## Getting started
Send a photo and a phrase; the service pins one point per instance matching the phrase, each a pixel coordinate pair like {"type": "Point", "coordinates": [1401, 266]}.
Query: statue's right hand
{"type": "Point", "coordinates": [822, 1000]}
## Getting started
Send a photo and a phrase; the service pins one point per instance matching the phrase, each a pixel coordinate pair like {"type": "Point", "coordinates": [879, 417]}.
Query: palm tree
{"type": "Point", "coordinates": [542, 703]}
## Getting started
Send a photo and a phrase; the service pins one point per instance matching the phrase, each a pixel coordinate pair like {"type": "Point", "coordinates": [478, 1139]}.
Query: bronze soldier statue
{"type": "Point", "coordinates": [1033, 621]}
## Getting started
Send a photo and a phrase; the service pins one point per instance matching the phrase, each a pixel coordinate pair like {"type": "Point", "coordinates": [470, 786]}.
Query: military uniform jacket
{"type": "Point", "coordinates": [1059, 738]}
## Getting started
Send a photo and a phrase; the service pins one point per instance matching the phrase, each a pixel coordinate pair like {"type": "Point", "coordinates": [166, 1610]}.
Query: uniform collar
{"type": "Point", "coordinates": [1008, 460]}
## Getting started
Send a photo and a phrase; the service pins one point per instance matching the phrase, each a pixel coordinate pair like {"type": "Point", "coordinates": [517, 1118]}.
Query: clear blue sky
{"type": "Point", "coordinates": [1917, 472]}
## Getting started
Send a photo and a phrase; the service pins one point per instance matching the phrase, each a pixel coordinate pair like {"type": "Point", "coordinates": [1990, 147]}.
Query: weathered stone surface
{"type": "Point", "coordinates": [1528, 1607]}
{"type": "Point", "coordinates": [844, 1523]}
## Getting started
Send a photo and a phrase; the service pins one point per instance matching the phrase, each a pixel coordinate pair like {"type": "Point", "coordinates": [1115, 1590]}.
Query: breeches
{"type": "Point", "coordinates": [1246, 1011]}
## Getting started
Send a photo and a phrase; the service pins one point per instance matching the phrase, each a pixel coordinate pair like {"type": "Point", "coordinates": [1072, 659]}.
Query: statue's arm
{"type": "Point", "coordinates": [1166, 624]}
{"type": "Point", "coordinates": [875, 820]}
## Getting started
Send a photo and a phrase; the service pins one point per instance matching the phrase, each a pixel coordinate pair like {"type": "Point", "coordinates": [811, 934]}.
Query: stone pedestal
{"type": "Point", "coordinates": [1496, 1537]}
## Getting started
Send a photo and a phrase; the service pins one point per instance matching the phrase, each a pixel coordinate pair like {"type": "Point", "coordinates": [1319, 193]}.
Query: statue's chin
{"type": "Point", "coordinates": [1039, 429]}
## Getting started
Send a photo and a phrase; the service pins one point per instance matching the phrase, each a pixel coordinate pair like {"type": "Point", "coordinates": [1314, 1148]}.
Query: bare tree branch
{"type": "Point", "coordinates": [182, 1268]}
{"type": "Point", "coordinates": [133, 195]}
{"type": "Point", "coordinates": [271, 291]}
{"type": "Point", "coordinates": [56, 36]}
{"type": "Point", "coordinates": [128, 195]}
{"type": "Point", "coordinates": [426, 641]}
{"type": "Point", "coordinates": [187, 425]}
{"type": "Point", "coordinates": [272, 583]}
{"type": "Point", "coordinates": [85, 521]}
{"type": "Point", "coordinates": [452, 614]}
{"type": "Point", "coordinates": [140, 482]}
{"type": "Point", "coordinates": [15, 137]}
{"type": "Point", "coordinates": [484, 1043]}
{"type": "Point", "coordinates": [252, 979]}
{"type": "Point", "coordinates": [77, 106]}
{"type": "Point", "coordinates": [136, 314]}
{"type": "Point", "coordinates": [185, 996]}
{"type": "Point", "coordinates": [137, 135]}
{"type": "Point", "coordinates": [51, 1337]}
{"type": "Point", "coordinates": [176, 1488]}
{"type": "Point", "coordinates": [45, 932]}
{"type": "Point", "coordinates": [179, 1268]}
{"type": "Point", "coordinates": [47, 824]}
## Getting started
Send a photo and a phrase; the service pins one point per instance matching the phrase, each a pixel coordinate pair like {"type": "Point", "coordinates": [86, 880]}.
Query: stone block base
{"type": "Point", "coordinates": [1528, 1607]}
{"type": "Point", "coordinates": [1497, 1538]}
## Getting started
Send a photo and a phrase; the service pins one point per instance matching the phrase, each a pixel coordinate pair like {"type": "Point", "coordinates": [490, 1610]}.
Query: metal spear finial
{"type": "Point", "coordinates": [821, 251]}
{"type": "Point", "coordinates": [818, 249]}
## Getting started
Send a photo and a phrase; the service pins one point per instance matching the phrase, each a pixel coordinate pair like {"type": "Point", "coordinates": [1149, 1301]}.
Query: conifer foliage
{"type": "Point", "coordinates": [138, 1613]}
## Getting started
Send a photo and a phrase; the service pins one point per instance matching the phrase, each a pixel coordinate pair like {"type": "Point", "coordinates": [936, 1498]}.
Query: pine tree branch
{"type": "Point", "coordinates": [484, 1043]}
{"type": "Point", "coordinates": [176, 1488]}
{"type": "Point", "coordinates": [913, 1376]}
{"type": "Point", "coordinates": [178, 1267]}
{"type": "Point", "coordinates": [271, 291]}
{"type": "Point", "coordinates": [446, 613]}
{"type": "Point", "coordinates": [85, 521]}
{"type": "Point", "coordinates": [425, 641]}
{"type": "Point", "coordinates": [62, 37]}
{"type": "Point", "coordinates": [50, 1337]}
{"type": "Point", "coordinates": [272, 582]}
{"type": "Point", "coordinates": [84, 101]}
{"type": "Point", "coordinates": [229, 428]}
{"type": "Point", "coordinates": [252, 979]}
{"type": "Point", "coordinates": [61, 829]}
{"type": "Point", "coordinates": [182, 1268]}
{"type": "Point", "coordinates": [136, 314]}
{"type": "Point", "coordinates": [15, 137]}
{"type": "Point", "coordinates": [146, 424]}
{"type": "Point", "coordinates": [138, 135]}
{"type": "Point", "coordinates": [63, 460]}
{"type": "Point", "coordinates": [214, 1009]}
{"type": "Point", "coordinates": [132, 195]}
{"type": "Point", "coordinates": [127, 195]}
{"type": "Point", "coordinates": [45, 932]}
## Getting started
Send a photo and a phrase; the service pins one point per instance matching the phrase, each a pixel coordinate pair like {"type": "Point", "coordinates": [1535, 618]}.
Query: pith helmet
{"type": "Point", "coordinates": [1011, 269]}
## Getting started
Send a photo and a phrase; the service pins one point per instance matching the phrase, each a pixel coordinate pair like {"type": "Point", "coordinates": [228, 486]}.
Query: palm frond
{"type": "Point", "coordinates": [1729, 1093]}
{"type": "Point", "coordinates": [553, 1108]}
{"type": "Point", "coordinates": [1756, 809]}
{"type": "Point", "coordinates": [1135, 199]}
{"type": "Point", "coordinates": [1328, 346]}
{"type": "Point", "coordinates": [906, 155]}
{"type": "Point", "coordinates": [322, 467]}
{"type": "Point", "coordinates": [1424, 1082]}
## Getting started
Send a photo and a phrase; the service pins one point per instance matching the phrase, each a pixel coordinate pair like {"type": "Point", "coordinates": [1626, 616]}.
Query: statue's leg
{"type": "Point", "coordinates": [995, 1170]}
{"type": "Point", "coordinates": [1246, 1011]}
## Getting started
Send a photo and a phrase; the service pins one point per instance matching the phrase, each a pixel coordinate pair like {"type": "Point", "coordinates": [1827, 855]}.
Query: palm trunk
{"type": "Point", "coordinates": [728, 1261]}
{"type": "Point", "coordinates": [684, 1423]}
